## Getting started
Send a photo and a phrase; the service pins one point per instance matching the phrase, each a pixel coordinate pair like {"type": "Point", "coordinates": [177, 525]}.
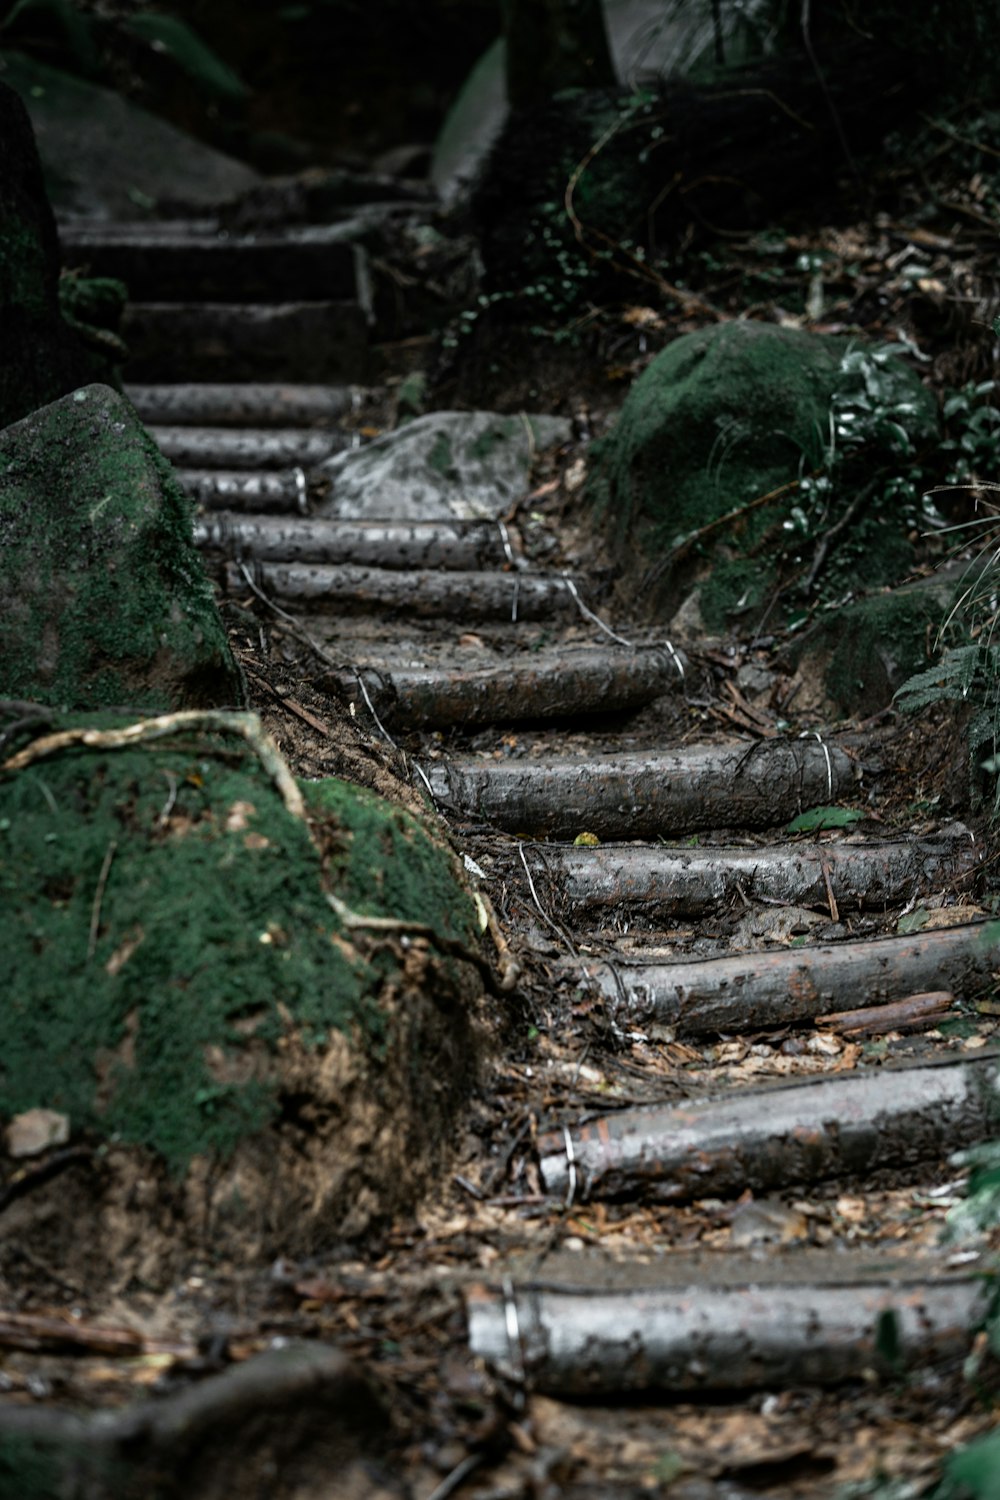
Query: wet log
{"type": "Point", "coordinates": [660, 884]}
{"type": "Point", "coordinates": [264, 448]}
{"type": "Point", "coordinates": [461, 545]}
{"type": "Point", "coordinates": [841, 1125]}
{"type": "Point", "coordinates": [223, 341]}
{"type": "Point", "coordinates": [560, 687]}
{"type": "Point", "coordinates": [244, 405]}
{"type": "Point", "coordinates": [755, 991]}
{"type": "Point", "coordinates": [462, 596]}
{"type": "Point", "coordinates": [221, 489]}
{"type": "Point", "coordinates": [646, 795]}
{"type": "Point", "coordinates": [575, 1341]}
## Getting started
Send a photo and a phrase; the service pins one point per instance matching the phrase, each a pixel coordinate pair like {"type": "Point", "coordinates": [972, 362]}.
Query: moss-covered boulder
{"type": "Point", "coordinates": [729, 415]}
{"type": "Point", "coordinates": [42, 357]}
{"type": "Point", "coordinates": [256, 1013]}
{"type": "Point", "coordinates": [103, 598]}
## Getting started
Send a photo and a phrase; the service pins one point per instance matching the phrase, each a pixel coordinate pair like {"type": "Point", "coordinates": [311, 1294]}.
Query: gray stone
{"type": "Point", "coordinates": [446, 465]}
{"type": "Point", "coordinates": [103, 599]}
{"type": "Point", "coordinates": [126, 161]}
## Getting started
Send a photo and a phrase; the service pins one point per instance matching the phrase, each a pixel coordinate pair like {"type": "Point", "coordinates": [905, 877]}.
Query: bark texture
{"type": "Point", "coordinates": [647, 795]}
{"type": "Point", "coordinates": [843, 1125]}
{"type": "Point", "coordinates": [754, 991]}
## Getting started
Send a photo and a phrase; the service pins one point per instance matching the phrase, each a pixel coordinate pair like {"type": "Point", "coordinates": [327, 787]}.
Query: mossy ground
{"type": "Point", "coordinates": [721, 418]}
{"type": "Point", "coordinates": [167, 934]}
{"type": "Point", "coordinates": [105, 600]}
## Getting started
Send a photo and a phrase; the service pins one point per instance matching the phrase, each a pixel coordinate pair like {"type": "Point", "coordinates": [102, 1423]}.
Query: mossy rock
{"type": "Point", "coordinates": [180, 987]}
{"type": "Point", "coordinates": [730, 414]}
{"type": "Point", "coordinates": [859, 655]}
{"type": "Point", "coordinates": [103, 598]}
{"type": "Point", "coordinates": [42, 356]}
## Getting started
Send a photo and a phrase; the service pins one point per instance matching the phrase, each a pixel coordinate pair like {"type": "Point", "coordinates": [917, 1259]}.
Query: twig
{"type": "Point", "coordinates": [356, 921]}
{"type": "Point", "coordinates": [829, 537]}
{"type": "Point", "coordinates": [297, 630]}
{"type": "Point", "coordinates": [220, 721]}
{"type": "Point", "coordinates": [95, 911]}
{"type": "Point", "coordinates": [693, 537]}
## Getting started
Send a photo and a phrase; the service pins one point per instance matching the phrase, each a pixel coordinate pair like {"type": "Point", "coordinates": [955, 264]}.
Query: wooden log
{"type": "Point", "coordinates": [463, 596]}
{"type": "Point", "coordinates": [658, 884]}
{"type": "Point", "coordinates": [646, 795]}
{"type": "Point", "coordinates": [755, 991]}
{"type": "Point", "coordinates": [461, 545]}
{"type": "Point", "coordinates": [841, 1125]}
{"type": "Point", "coordinates": [574, 1341]}
{"type": "Point", "coordinates": [566, 686]}
{"type": "Point", "coordinates": [263, 448]}
{"type": "Point", "coordinates": [195, 262]}
{"type": "Point", "coordinates": [279, 491]}
{"type": "Point", "coordinates": [251, 404]}
{"type": "Point", "coordinates": [224, 341]}
{"type": "Point", "coordinates": [912, 1013]}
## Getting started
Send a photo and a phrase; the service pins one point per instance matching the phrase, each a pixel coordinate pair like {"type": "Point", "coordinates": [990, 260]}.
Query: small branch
{"type": "Point", "coordinates": [95, 914]}
{"type": "Point", "coordinates": [219, 721]}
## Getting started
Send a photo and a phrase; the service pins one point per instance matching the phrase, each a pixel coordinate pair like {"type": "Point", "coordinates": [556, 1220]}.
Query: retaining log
{"type": "Point", "coordinates": [646, 795]}
{"type": "Point", "coordinates": [222, 489]}
{"type": "Point", "coordinates": [462, 596]}
{"type": "Point", "coordinates": [598, 680]}
{"type": "Point", "coordinates": [263, 448]}
{"type": "Point", "coordinates": [577, 1341]}
{"type": "Point", "coordinates": [461, 545]}
{"type": "Point", "coordinates": [250, 404]}
{"type": "Point", "coordinates": [758, 991]}
{"type": "Point", "coordinates": [657, 884]}
{"type": "Point", "coordinates": [840, 1125]}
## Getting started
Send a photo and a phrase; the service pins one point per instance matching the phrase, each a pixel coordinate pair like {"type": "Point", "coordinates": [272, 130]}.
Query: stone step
{"type": "Point", "coordinates": [230, 341]}
{"type": "Point", "coordinates": [181, 262]}
{"type": "Point", "coordinates": [249, 404]}
{"type": "Point", "coordinates": [247, 448]}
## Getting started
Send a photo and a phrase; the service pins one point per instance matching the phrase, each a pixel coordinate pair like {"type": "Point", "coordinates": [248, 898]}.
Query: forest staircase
{"type": "Point", "coordinates": [244, 349]}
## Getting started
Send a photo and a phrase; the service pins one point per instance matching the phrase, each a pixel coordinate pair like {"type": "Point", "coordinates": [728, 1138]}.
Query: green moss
{"type": "Point", "coordinates": [30, 1469]}
{"type": "Point", "coordinates": [165, 927]}
{"type": "Point", "coordinates": [104, 599]}
{"type": "Point", "coordinates": [726, 416]}
{"type": "Point", "coordinates": [870, 648]}
{"type": "Point", "coordinates": [383, 860]}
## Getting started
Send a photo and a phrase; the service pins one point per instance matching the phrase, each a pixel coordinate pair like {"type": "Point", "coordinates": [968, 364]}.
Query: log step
{"type": "Point", "coordinates": [759, 991]}
{"type": "Point", "coordinates": [526, 689]}
{"type": "Point", "coordinates": [462, 545]}
{"type": "Point", "coordinates": [643, 795]}
{"type": "Point", "coordinates": [278, 490]}
{"type": "Point", "coordinates": [660, 885]}
{"type": "Point", "coordinates": [846, 1125]}
{"type": "Point", "coordinates": [465, 596]}
{"type": "Point", "coordinates": [188, 262]}
{"type": "Point", "coordinates": [699, 1335]}
{"type": "Point", "coordinates": [252, 404]}
{"type": "Point", "coordinates": [248, 448]}
{"type": "Point", "coordinates": [228, 342]}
